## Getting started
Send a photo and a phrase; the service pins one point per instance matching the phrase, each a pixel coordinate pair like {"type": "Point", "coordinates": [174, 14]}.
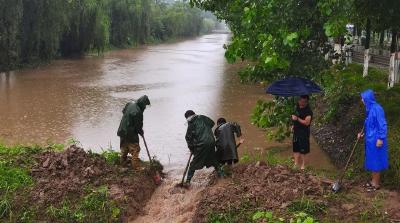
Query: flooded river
{"type": "Point", "coordinates": [83, 98]}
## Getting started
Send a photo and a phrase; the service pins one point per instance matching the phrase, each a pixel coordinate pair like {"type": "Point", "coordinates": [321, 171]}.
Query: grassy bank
{"type": "Point", "coordinates": [340, 115]}
{"type": "Point", "coordinates": [56, 185]}
{"type": "Point", "coordinates": [265, 188]}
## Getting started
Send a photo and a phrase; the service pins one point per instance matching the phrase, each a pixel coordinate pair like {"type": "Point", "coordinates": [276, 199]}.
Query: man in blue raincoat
{"type": "Point", "coordinates": [375, 134]}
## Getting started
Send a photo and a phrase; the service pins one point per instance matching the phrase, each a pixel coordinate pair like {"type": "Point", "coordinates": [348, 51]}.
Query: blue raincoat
{"type": "Point", "coordinates": [376, 158]}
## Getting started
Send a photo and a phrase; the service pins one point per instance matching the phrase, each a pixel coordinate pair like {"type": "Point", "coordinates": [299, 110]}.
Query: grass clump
{"type": "Point", "coordinates": [94, 207]}
{"type": "Point", "coordinates": [306, 205]}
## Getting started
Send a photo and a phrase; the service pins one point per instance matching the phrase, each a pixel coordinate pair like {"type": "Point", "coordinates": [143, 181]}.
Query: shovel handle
{"type": "Point", "coordinates": [351, 156]}
{"type": "Point", "coordinates": [186, 168]}
{"type": "Point", "coordinates": [147, 149]}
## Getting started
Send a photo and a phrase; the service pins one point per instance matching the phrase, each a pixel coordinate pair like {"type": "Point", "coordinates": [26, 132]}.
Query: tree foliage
{"type": "Point", "coordinates": [282, 37]}
{"type": "Point", "coordinates": [32, 31]}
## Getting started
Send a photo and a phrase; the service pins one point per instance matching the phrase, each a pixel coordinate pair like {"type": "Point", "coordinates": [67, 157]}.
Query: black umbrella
{"type": "Point", "coordinates": [293, 86]}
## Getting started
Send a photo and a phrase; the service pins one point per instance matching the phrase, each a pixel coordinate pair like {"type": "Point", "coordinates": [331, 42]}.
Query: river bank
{"type": "Point", "coordinates": [264, 192]}
{"type": "Point", "coordinates": [53, 184]}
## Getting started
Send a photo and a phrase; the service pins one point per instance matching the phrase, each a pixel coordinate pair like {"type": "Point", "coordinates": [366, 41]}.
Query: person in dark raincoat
{"type": "Point", "coordinates": [375, 134]}
{"type": "Point", "coordinates": [225, 141]}
{"type": "Point", "coordinates": [201, 143]}
{"type": "Point", "coordinates": [130, 128]}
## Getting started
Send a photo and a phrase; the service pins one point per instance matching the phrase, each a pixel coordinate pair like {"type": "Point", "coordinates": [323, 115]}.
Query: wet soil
{"type": "Point", "coordinates": [338, 136]}
{"type": "Point", "coordinates": [262, 187]}
{"type": "Point", "coordinates": [68, 174]}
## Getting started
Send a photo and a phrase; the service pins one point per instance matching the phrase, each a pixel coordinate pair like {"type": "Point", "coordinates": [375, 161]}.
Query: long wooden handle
{"type": "Point", "coordinates": [186, 168]}
{"type": "Point", "coordinates": [351, 156]}
{"type": "Point", "coordinates": [147, 149]}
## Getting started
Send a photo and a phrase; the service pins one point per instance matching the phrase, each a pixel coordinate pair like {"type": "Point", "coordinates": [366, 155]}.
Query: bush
{"type": "Point", "coordinates": [274, 116]}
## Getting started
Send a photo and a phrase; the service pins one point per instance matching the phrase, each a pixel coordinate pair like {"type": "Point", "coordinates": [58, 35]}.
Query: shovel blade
{"type": "Point", "coordinates": [336, 187]}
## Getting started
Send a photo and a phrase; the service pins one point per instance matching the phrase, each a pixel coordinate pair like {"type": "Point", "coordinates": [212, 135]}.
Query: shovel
{"type": "Point", "coordinates": [182, 183]}
{"type": "Point", "coordinates": [336, 186]}
{"type": "Point", "coordinates": [157, 175]}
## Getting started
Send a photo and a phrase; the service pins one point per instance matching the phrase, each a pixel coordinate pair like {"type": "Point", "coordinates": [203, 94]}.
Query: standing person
{"type": "Point", "coordinates": [130, 128]}
{"type": "Point", "coordinates": [226, 142]}
{"type": "Point", "coordinates": [301, 131]}
{"type": "Point", "coordinates": [201, 143]}
{"type": "Point", "coordinates": [375, 133]}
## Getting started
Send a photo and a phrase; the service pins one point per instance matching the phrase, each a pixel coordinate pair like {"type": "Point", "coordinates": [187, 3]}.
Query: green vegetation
{"type": "Point", "coordinates": [307, 205]}
{"type": "Point", "coordinates": [15, 163]}
{"type": "Point", "coordinates": [249, 215]}
{"type": "Point", "coordinates": [94, 207]}
{"type": "Point", "coordinates": [36, 31]}
{"type": "Point", "coordinates": [112, 157]}
{"type": "Point", "coordinates": [271, 157]}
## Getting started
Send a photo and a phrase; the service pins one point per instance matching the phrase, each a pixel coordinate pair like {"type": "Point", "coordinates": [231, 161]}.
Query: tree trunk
{"type": "Point", "coordinates": [367, 57]}
{"type": "Point", "coordinates": [381, 38]}
{"type": "Point", "coordinates": [393, 71]}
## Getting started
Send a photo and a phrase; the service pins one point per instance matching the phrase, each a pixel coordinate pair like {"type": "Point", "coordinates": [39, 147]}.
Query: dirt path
{"type": "Point", "coordinates": [172, 204]}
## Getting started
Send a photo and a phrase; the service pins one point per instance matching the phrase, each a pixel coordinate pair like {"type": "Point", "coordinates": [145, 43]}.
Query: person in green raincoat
{"type": "Point", "coordinates": [130, 128]}
{"type": "Point", "coordinates": [201, 143]}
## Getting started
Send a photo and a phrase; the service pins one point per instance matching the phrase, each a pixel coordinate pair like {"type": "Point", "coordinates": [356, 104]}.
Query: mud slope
{"type": "Point", "coordinates": [68, 175]}
{"type": "Point", "coordinates": [275, 188]}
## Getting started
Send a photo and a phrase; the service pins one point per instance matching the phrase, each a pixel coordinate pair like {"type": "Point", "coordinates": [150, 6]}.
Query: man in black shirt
{"type": "Point", "coordinates": [301, 131]}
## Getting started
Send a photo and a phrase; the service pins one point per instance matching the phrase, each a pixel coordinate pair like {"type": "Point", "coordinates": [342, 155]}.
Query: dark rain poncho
{"type": "Point", "coordinates": [226, 143]}
{"type": "Point", "coordinates": [376, 158]}
{"type": "Point", "coordinates": [132, 120]}
{"type": "Point", "coordinates": [201, 142]}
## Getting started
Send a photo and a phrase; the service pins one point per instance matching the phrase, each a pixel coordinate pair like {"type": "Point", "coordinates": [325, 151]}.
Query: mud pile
{"type": "Point", "coordinates": [261, 186]}
{"type": "Point", "coordinates": [66, 174]}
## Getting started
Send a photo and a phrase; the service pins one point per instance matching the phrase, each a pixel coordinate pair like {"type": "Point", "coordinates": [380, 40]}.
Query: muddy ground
{"type": "Point", "coordinates": [68, 174]}
{"type": "Point", "coordinates": [336, 138]}
{"type": "Point", "coordinates": [260, 187]}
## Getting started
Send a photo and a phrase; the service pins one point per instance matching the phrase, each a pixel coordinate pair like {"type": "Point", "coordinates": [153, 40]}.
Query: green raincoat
{"type": "Point", "coordinates": [201, 142]}
{"type": "Point", "coordinates": [132, 120]}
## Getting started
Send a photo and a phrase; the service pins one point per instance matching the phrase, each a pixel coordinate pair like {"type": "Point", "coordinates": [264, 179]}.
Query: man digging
{"type": "Point", "coordinates": [226, 143]}
{"type": "Point", "coordinates": [201, 143]}
{"type": "Point", "coordinates": [130, 128]}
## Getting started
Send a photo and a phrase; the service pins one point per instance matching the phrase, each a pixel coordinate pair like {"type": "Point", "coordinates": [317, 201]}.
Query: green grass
{"type": "Point", "coordinates": [271, 156]}
{"type": "Point", "coordinates": [94, 207]}
{"type": "Point", "coordinates": [307, 205]}
{"type": "Point", "coordinates": [112, 157]}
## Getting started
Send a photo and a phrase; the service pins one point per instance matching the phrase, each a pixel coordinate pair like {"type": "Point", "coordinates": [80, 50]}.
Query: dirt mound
{"type": "Point", "coordinates": [66, 174]}
{"type": "Point", "coordinates": [258, 185]}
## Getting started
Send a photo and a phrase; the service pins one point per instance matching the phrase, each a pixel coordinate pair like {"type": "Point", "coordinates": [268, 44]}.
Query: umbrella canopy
{"type": "Point", "coordinates": [293, 86]}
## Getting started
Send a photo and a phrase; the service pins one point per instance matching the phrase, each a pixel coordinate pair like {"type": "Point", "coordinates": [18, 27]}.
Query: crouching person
{"type": "Point", "coordinates": [130, 128]}
{"type": "Point", "coordinates": [201, 143]}
{"type": "Point", "coordinates": [225, 141]}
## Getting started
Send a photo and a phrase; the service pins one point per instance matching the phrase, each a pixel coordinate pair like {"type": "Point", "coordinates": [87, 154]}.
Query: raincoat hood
{"type": "Point", "coordinates": [142, 102]}
{"type": "Point", "coordinates": [368, 98]}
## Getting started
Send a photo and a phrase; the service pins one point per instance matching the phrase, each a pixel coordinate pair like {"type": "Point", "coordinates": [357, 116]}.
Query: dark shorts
{"type": "Point", "coordinates": [301, 145]}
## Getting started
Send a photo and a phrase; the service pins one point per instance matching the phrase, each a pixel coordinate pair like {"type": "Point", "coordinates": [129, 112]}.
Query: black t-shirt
{"type": "Point", "coordinates": [301, 130]}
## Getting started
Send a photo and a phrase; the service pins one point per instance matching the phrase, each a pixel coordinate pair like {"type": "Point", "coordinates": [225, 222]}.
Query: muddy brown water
{"type": "Point", "coordinates": [83, 98]}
